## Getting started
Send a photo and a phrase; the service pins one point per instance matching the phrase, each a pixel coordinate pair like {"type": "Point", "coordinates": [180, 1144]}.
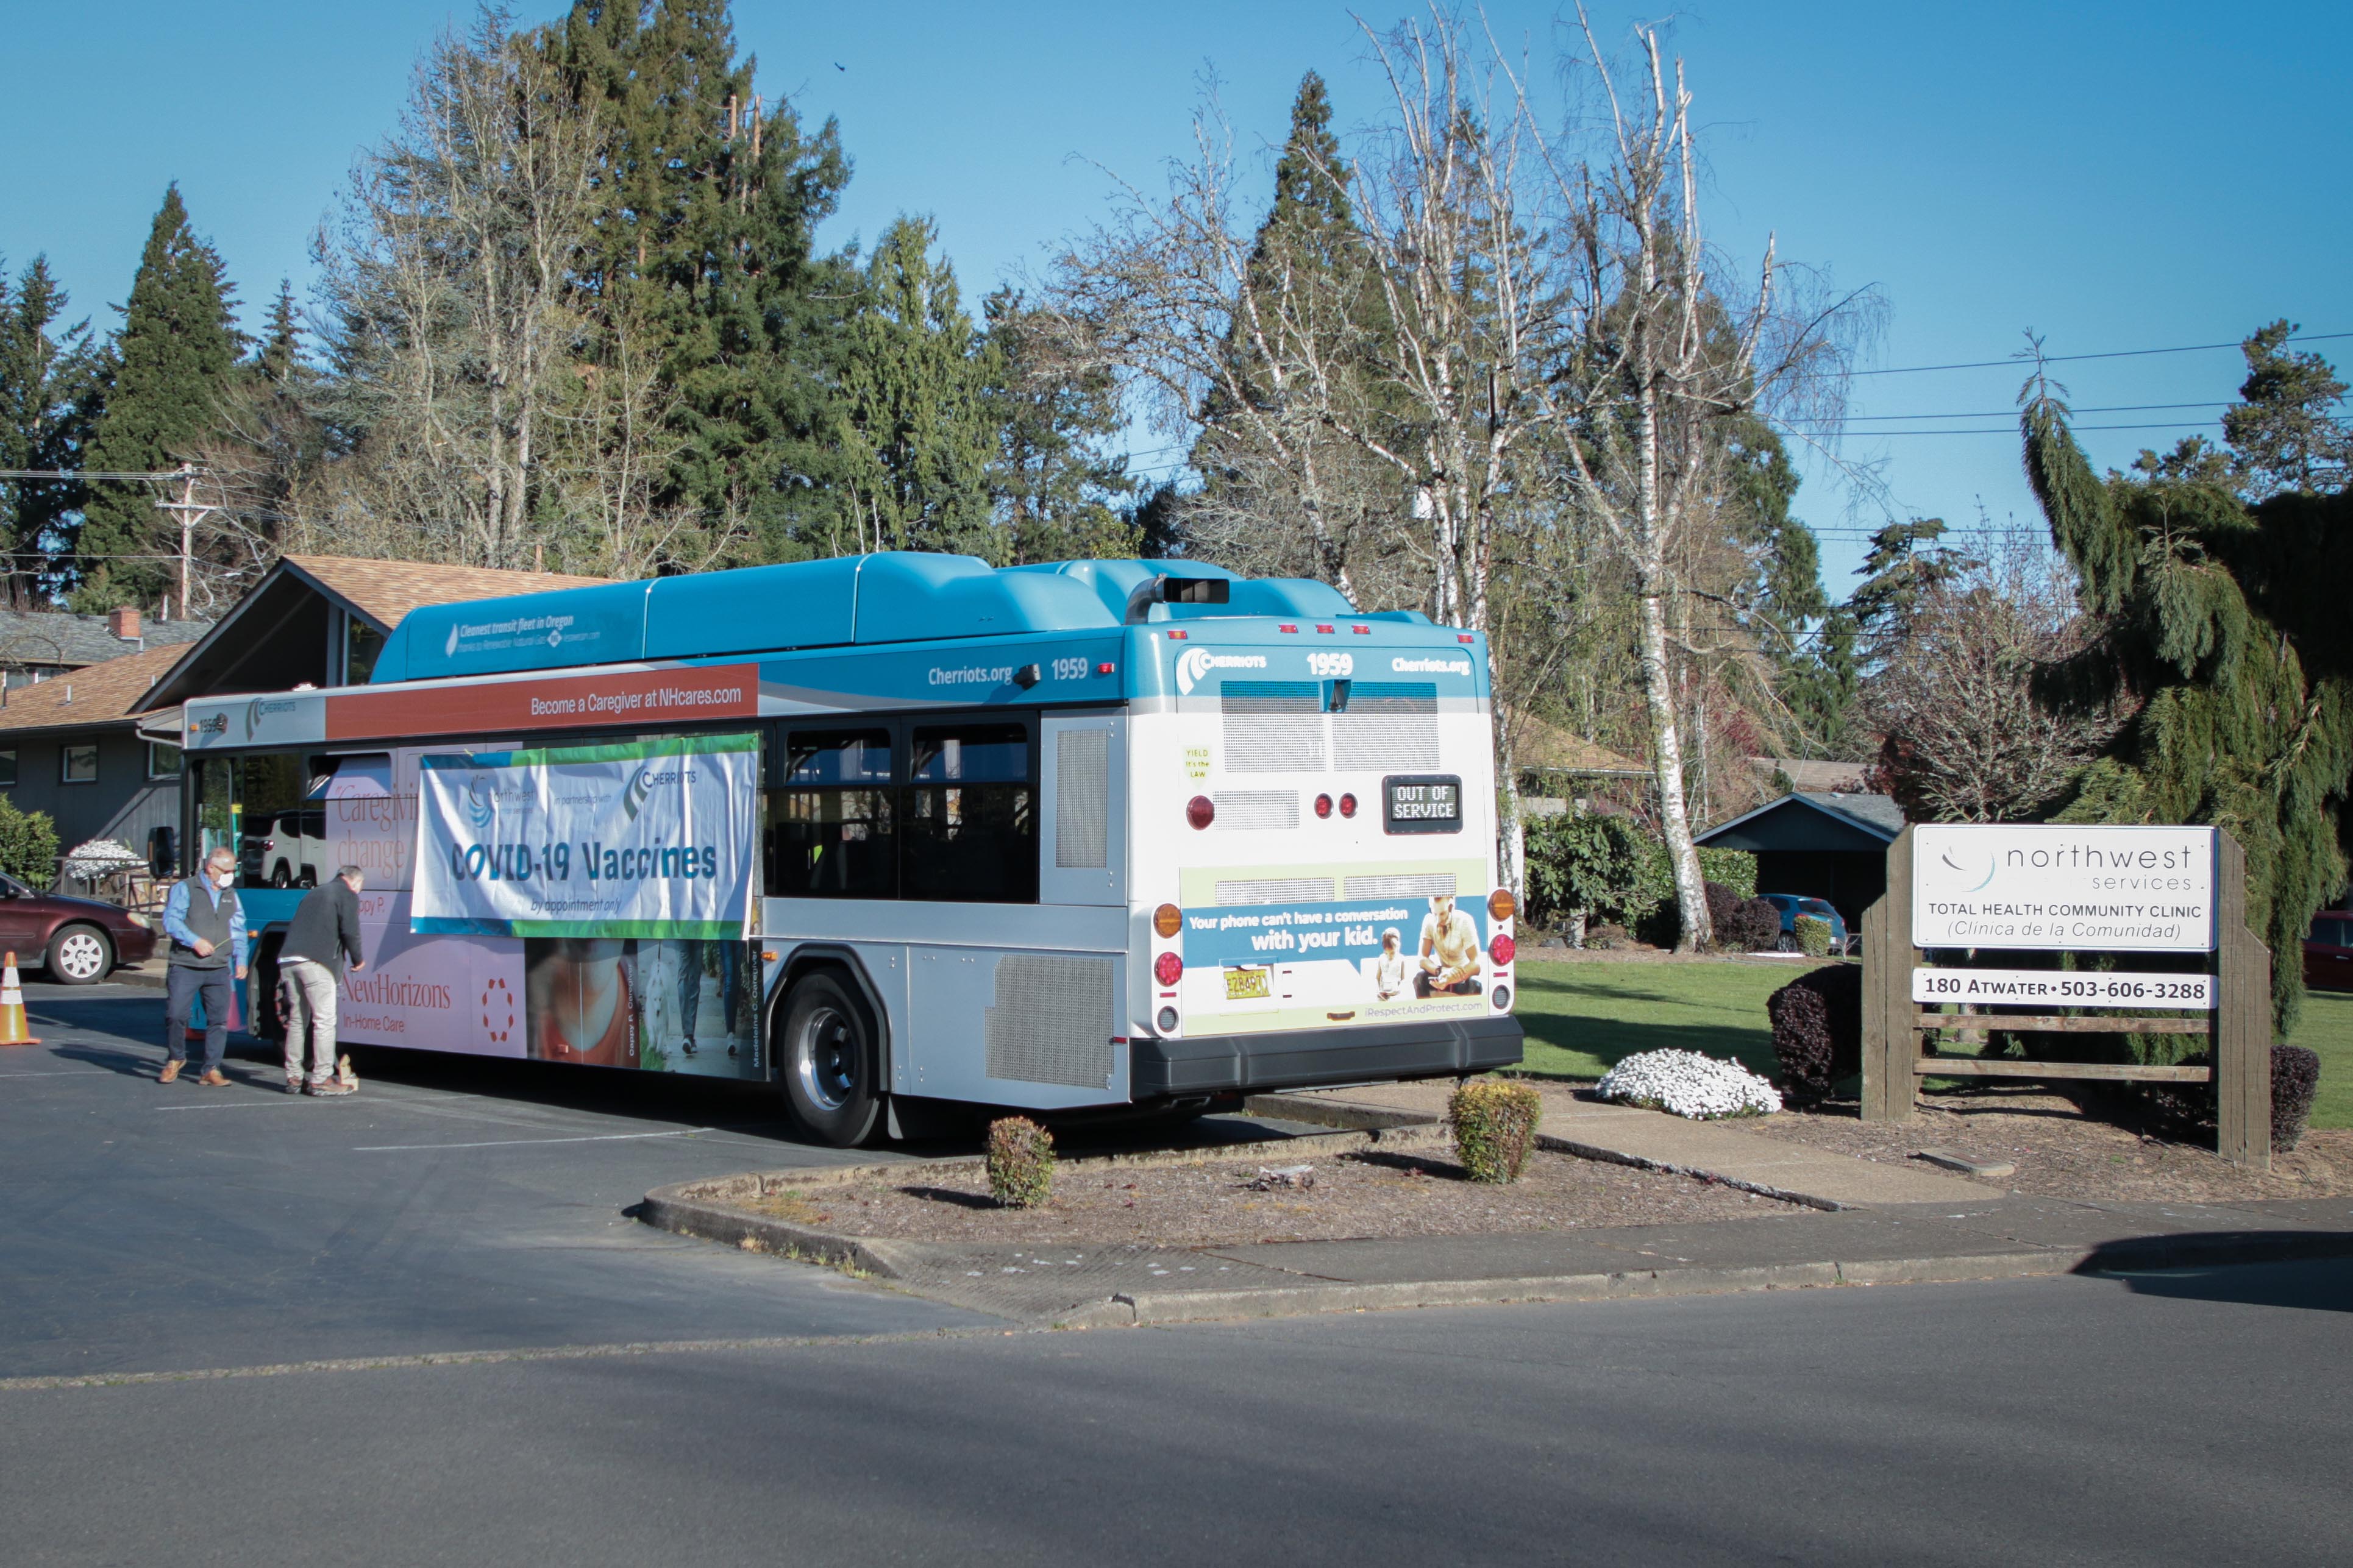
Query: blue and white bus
{"type": "Point", "coordinates": [898, 829]}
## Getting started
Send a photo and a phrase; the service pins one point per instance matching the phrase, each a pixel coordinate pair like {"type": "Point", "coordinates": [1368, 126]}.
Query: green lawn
{"type": "Point", "coordinates": [1582, 1018]}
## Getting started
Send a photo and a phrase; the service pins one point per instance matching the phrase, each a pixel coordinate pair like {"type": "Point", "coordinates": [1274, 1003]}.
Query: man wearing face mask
{"type": "Point", "coordinates": [203, 919]}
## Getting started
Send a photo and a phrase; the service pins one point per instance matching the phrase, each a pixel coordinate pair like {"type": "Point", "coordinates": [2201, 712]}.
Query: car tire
{"type": "Point", "coordinates": [279, 876]}
{"type": "Point", "coordinates": [1785, 942]}
{"type": "Point", "coordinates": [79, 955]}
{"type": "Point", "coordinates": [830, 1064]}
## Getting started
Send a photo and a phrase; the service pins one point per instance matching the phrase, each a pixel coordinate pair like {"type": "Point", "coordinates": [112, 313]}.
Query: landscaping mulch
{"type": "Point", "coordinates": [1373, 1194]}
{"type": "Point", "coordinates": [2061, 1153]}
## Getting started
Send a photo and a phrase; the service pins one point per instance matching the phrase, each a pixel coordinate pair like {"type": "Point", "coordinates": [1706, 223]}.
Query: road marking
{"type": "Point", "coordinates": [511, 1142]}
{"type": "Point", "coordinates": [491, 1358]}
{"type": "Point", "coordinates": [68, 1072]}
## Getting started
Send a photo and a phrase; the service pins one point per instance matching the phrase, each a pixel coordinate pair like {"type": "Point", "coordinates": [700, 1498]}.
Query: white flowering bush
{"type": "Point", "coordinates": [1689, 1084]}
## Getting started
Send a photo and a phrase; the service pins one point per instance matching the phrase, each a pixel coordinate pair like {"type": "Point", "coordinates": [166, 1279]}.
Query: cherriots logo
{"type": "Point", "coordinates": [1195, 663]}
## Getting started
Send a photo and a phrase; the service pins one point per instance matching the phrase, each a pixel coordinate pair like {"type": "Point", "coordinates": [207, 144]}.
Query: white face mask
{"type": "Point", "coordinates": [223, 879]}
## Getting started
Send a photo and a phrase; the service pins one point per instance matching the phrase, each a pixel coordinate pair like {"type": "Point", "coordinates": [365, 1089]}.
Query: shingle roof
{"type": "Point", "coordinates": [1879, 811]}
{"type": "Point", "coordinates": [52, 637]}
{"type": "Point", "coordinates": [95, 694]}
{"type": "Point", "coordinates": [1809, 776]}
{"type": "Point", "coordinates": [388, 590]}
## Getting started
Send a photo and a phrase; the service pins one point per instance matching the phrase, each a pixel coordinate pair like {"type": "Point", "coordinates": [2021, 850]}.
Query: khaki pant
{"type": "Point", "coordinates": [310, 992]}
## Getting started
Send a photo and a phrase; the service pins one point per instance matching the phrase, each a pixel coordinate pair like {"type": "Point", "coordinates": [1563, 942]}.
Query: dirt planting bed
{"type": "Point", "coordinates": [2061, 1153]}
{"type": "Point", "coordinates": [1371, 1194]}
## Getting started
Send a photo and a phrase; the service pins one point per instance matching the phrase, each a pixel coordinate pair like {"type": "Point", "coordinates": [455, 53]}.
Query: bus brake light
{"type": "Point", "coordinates": [1167, 968]}
{"type": "Point", "coordinates": [1347, 806]}
{"type": "Point", "coordinates": [1200, 811]}
{"type": "Point", "coordinates": [1322, 805]}
{"type": "Point", "coordinates": [1501, 950]}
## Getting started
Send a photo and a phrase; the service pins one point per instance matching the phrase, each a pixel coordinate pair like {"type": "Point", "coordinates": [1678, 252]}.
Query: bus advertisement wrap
{"type": "Point", "coordinates": [1380, 957]}
{"type": "Point", "coordinates": [650, 839]}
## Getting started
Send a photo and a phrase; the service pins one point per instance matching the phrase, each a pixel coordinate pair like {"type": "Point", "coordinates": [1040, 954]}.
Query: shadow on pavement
{"type": "Point", "coordinates": [2241, 1272]}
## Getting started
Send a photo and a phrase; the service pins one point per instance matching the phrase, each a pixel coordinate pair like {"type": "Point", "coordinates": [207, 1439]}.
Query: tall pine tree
{"type": "Point", "coordinates": [51, 384]}
{"type": "Point", "coordinates": [709, 203]}
{"type": "Point", "coordinates": [174, 357]}
{"type": "Point", "coordinates": [915, 415]}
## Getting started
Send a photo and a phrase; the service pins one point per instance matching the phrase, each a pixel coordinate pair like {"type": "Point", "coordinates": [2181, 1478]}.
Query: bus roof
{"type": "Point", "coordinates": [846, 601]}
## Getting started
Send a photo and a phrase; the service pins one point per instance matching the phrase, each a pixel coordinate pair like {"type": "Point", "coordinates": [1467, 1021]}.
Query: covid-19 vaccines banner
{"type": "Point", "coordinates": [647, 838]}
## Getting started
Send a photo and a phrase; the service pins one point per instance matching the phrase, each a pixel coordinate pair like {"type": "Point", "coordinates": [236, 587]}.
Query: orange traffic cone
{"type": "Point", "coordinates": [12, 1008]}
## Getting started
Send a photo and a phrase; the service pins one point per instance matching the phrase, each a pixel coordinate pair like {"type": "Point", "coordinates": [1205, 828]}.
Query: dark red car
{"type": "Point", "coordinates": [2328, 952]}
{"type": "Point", "coordinates": [78, 940]}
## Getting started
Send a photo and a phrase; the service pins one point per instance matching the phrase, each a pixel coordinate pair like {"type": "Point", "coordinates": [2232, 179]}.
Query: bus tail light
{"type": "Point", "coordinates": [1501, 905]}
{"type": "Point", "coordinates": [1501, 950]}
{"type": "Point", "coordinates": [1168, 1020]}
{"type": "Point", "coordinates": [1347, 806]}
{"type": "Point", "coordinates": [1322, 805]}
{"type": "Point", "coordinates": [1168, 969]}
{"type": "Point", "coordinates": [1200, 811]}
{"type": "Point", "coordinates": [1167, 921]}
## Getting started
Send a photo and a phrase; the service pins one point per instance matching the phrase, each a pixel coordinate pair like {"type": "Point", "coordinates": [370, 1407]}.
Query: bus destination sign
{"type": "Point", "coordinates": [1422, 804]}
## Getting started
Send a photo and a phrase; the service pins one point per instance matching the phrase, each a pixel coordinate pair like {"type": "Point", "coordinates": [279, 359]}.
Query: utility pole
{"type": "Point", "coordinates": [188, 509]}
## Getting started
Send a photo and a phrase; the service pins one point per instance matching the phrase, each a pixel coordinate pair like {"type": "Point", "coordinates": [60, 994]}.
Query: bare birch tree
{"type": "Point", "coordinates": [450, 324]}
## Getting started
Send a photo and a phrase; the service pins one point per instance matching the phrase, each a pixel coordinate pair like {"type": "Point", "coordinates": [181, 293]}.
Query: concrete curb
{"type": "Point", "coordinates": [1553, 1140]}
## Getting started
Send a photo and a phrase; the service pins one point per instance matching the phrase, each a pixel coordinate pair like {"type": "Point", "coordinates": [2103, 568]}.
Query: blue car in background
{"type": "Point", "coordinates": [1792, 905]}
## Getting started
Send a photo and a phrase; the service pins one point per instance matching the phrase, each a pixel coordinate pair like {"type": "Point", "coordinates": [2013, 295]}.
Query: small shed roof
{"type": "Point", "coordinates": [1812, 822]}
{"type": "Point", "coordinates": [1811, 775]}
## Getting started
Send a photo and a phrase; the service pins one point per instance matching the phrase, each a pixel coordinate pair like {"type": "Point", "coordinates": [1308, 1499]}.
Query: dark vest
{"type": "Point", "coordinates": [209, 919]}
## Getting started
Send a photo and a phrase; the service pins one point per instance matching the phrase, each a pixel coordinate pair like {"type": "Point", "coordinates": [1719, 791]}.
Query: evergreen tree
{"type": "Point", "coordinates": [175, 358]}
{"type": "Point", "coordinates": [1053, 484]}
{"type": "Point", "coordinates": [2222, 630]}
{"type": "Point", "coordinates": [915, 420]}
{"type": "Point", "coordinates": [1904, 562]}
{"type": "Point", "coordinates": [709, 203]}
{"type": "Point", "coordinates": [51, 386]}
{"type": "Point", "coordinates": [2284, 434]}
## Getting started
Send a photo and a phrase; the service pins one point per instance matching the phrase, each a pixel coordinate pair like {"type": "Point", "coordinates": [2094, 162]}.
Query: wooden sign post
{"type": "Point", "coordinates": [2196, 908]}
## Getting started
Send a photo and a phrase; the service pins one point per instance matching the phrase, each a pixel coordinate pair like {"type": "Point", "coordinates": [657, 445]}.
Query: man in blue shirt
{"type": "Point", "coordinates": [202, 917]}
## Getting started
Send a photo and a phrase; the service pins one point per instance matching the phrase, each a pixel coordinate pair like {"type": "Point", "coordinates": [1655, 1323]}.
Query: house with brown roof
{"type": "Point", "coordinates": [70, 746]}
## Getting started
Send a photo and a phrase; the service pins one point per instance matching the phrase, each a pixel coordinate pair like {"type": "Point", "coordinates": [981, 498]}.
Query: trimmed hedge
{"type": "Point", "coordinates": [1813, 935]}
{"type": "Point", "coordinates": [1494, 1127]}
{"type": "Point", "coordinates": [2296, 1079]}
{"type": "Point", "coordinates": [1817, 1030]}
{"type": "Point", "coordinates": [1021, 1163]}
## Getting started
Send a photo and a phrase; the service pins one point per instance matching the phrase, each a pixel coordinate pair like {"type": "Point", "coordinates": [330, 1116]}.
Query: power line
{"type": "Point", "coordinates": [2015, 361]}
{"type": "Point", "coordinates": [2011, 412]}
{"type": "Point", "coordinates": [2012, 429]}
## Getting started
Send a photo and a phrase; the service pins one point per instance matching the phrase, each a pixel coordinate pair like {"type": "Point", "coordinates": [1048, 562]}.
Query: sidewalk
{"type": "Point", "coordinates": [1863, 1224]}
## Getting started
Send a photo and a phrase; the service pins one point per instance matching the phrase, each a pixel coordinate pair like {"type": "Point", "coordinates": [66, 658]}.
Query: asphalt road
{"type": "Point", "coordinates": [2176, 1417]}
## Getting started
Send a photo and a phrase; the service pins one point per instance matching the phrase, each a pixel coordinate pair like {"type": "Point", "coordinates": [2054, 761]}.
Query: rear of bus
{"type": "Point", "coordinates": [1312, 818]}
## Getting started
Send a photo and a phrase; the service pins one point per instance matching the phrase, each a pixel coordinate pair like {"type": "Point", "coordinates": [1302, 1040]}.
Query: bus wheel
{"type": "Point", "coordinates": [828, 1059]}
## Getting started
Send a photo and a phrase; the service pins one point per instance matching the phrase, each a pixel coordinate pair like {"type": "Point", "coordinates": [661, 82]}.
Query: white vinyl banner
{"type": "Point", "coordinates": [647, 838]}
{"type": "Point", "coordinates": [2119, 890]}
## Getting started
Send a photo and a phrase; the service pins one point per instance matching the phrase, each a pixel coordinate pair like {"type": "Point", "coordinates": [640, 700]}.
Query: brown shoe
{"type": "Point", "coordinates": [214, 1080]}
{"type": "Point", "coordinates": [171, 1071]}
{"type": "Point", "coordinates": [331, 1087]}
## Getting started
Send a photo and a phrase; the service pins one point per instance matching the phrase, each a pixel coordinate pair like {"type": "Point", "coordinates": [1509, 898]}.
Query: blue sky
{"type": "Point", "coordinates": [2113, 176]}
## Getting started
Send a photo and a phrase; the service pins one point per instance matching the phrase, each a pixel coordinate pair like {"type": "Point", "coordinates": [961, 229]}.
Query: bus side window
{"type": "Point", "coordinates": [828, 830]}
{"type": "Point", "coordinates": [971, 824]}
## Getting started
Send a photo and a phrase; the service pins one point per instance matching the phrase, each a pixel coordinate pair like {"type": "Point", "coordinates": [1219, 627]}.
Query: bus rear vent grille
{"type": "Point", "coordinates": [1277, 890]}
{"type": "Point", "coordinates": [1082, 797]}
{"type": "Point", "coordinates": [1389, 725]}
{"type": "Point", "coordinates": [1053, 1021]}
{"type": "Point", "coordinates": [1273, 726]}
{"type": "Point", "coordinates": [1420, 885]}
{"type": "Point", "coordinates": [1246, 808]}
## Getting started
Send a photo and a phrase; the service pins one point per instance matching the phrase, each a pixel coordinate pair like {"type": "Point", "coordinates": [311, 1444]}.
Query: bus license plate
{"type": "Point", "coordinates": [1423, 805]}
{"type": "Point", "coordinates": [1241, 984]}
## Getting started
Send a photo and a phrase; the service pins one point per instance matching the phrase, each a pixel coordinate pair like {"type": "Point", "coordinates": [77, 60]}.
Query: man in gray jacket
{"type": "Point", "coordinates": [310, 970]}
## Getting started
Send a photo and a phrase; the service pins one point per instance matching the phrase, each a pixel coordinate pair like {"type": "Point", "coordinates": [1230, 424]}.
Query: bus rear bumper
{"type": "Point", "coordinates": [1308, 1058]}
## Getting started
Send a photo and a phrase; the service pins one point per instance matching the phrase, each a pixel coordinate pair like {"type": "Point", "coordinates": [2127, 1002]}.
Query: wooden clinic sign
{"type": "Point", "coordinates": [2058, 889]}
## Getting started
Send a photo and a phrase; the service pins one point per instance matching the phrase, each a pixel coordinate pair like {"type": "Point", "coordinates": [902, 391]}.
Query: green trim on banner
{"type": "Point", "coordinates": [673, 930]}
{"type": "Point", "coordinates": [617, 751]}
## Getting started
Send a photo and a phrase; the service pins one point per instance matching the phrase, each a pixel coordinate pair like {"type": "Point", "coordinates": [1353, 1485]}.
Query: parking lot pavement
{"type": "Point", "coordinates": [451, 1205]}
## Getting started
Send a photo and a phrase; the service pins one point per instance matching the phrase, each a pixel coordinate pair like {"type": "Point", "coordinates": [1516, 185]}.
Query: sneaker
{"type": "Point", "coordinates": [214, 1080]}
{"type": "Point", "coordinates": [331, 1087]}
{"type": "Point", "coordinates": [171, 1071]}
{"type": "Point", "coordinates": [293, 1085]}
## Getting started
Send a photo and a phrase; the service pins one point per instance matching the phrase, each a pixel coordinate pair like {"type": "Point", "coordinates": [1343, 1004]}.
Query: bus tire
{"type": "Point", "coordinates": [829, 1063]}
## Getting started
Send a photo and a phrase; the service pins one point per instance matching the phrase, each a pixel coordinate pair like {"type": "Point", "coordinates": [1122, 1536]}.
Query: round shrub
{"type": "Point", "coordinates": [1813, 936]}
{"type": "Point", "coordinates": [2296, 1079]}
{"type": "Point", "coordinates": [1756, 926]}
{"type": "Point", "coordinates": [1818, 1030]}
{"type": "Point", "coordinates": [1494, 1126]}
{"type": "Point", "coordinates": [1021, 1163]}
